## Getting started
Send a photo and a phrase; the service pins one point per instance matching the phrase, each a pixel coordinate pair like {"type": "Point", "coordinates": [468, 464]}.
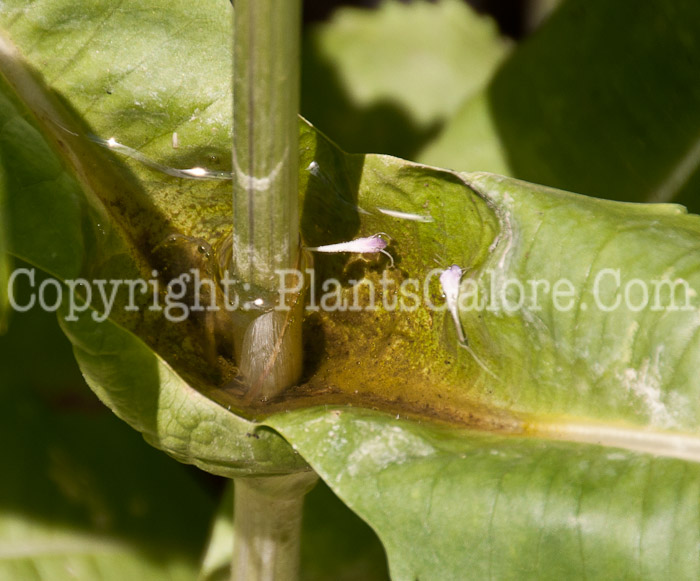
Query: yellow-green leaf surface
{"type": "Point", "coordinates": [98, 221]}
{"type": "Point", "coordinates": [560, 440]}
{"type": "Point", "coordinates": [134, 219]}
{"type": "Point", "coordinates": [594, 473]}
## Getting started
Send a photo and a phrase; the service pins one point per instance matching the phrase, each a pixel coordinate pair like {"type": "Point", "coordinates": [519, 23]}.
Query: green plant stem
{"type": "Point", "coordinates": [265, 189]}
{"type": "Point", "coordinates": [267, 526]}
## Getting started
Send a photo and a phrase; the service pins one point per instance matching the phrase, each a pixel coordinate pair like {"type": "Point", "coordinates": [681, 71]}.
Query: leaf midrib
{"type": "Point", "coordinates": [637, 439]}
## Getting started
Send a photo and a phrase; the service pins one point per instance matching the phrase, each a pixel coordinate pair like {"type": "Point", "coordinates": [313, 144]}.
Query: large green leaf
{"type": "Point", "coordinates": [337, 190]}
{"type": "Point", "coordinates": [108, 224]}
{"type": "Point", "coordinates": [546, 492]}
{"type": "Point", "coordinates": [463, 505]}
{"type": "Point", "coordinates": [579, 353]}
{"type": "Point", "coordinates": [523, 448]}
{"type": "Point", "coordinates": [602, 100]}
{"type": "Point", "coordinates": [591, 468]}
{"type": "Point", "coordinates": [145, 391]}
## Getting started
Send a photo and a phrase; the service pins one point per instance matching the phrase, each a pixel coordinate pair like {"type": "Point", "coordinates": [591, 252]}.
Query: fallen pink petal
{"type": "Point", "coordinates": [449, 280]}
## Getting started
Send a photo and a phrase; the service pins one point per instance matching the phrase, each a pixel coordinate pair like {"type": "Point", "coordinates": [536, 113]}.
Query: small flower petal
{"type": "Point", "coordinates": [368, 245]}
{"type": "Point", "coordinates": [449, 280]}
{"type": "Point", "coordinates": [373, 243]}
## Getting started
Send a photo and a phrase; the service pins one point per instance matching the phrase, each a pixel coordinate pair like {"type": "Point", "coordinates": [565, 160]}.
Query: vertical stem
{"type": "Point", "coordinates": [267, 520]}
{"type": "Point", "coordinates": [267, 526]}
{"type": "Point", "coordinates": [265, 189]}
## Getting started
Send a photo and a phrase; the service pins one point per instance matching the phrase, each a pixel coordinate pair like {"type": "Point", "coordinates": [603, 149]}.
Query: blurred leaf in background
{"type": "Point", "coordinates": [602, 100]}
{"type": "Point", "coordinates": [82, 496]}
{"type": "Point", "coordinates": [386, 80]}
